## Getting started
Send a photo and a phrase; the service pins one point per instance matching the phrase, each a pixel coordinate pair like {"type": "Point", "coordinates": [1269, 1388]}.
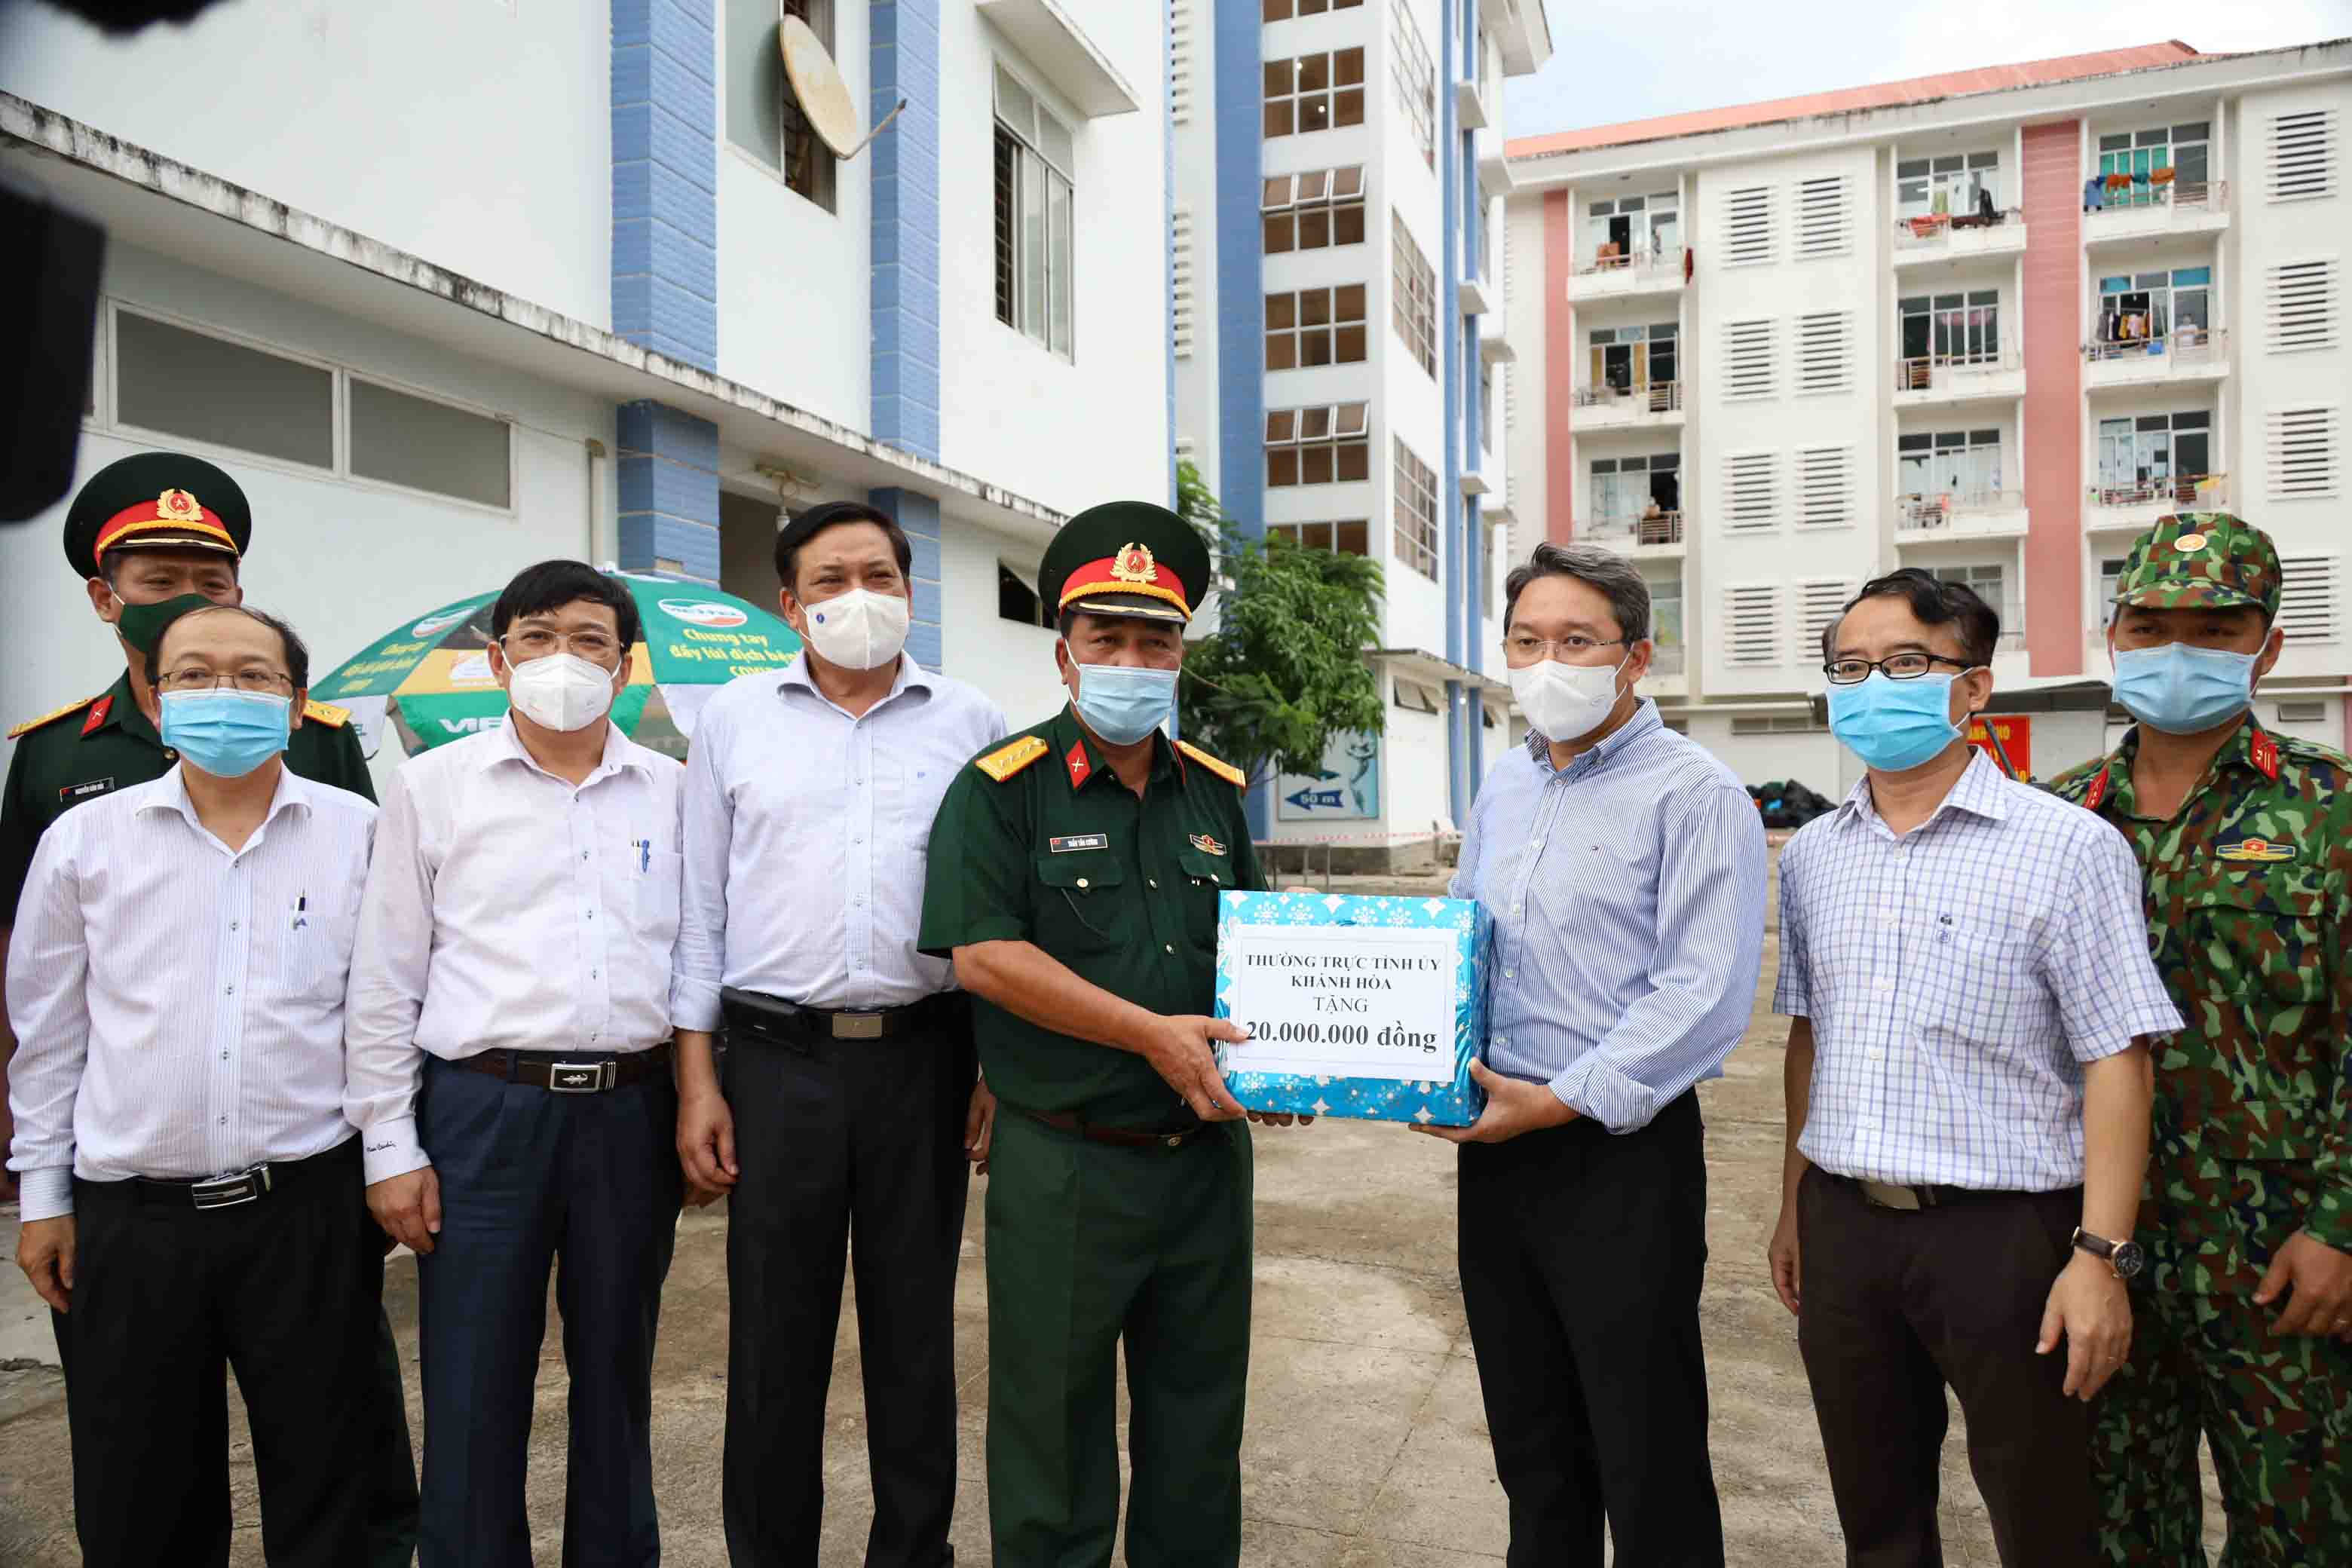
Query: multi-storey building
{"type": "Point", "coordinates": [1991, 323]}
{"type": "Point", "coordinates": [1339, 325]}
{"type": "Point", "coordinates": [457, 285]}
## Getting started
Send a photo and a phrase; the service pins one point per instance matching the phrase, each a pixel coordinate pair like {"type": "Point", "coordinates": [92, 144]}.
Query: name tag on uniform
{"type": "Point", "coordinates": [1069, 842]}
{"type": "Point", "coordinates": [84, 790]}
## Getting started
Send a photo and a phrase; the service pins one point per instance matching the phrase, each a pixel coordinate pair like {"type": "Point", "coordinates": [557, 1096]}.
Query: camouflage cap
{"type": "Point", "coordinates": [2201, 558]}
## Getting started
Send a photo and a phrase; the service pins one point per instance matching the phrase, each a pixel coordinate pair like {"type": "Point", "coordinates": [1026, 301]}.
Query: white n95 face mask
{"type": "Point", "coordinates": [859, 630]}
{"type": "Point", "coordinates": [1565, 701]}
{"type": "Point", "coordinates": [561, 692]}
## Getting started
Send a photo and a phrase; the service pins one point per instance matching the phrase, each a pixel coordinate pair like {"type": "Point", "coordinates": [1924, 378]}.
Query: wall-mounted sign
{"type": "Point", "coordinates": [1347, 788]}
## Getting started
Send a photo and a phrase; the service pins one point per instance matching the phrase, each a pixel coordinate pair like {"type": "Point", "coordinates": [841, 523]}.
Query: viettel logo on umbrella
{"type": "Point", "coordinates": [703, 613]}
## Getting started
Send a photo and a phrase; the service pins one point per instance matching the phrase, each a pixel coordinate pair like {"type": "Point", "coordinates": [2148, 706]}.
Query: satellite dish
{"type": "Point", "coordinates": [823, 98]}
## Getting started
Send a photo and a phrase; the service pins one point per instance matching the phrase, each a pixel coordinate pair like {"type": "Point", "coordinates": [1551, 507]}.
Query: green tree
{"type": "Point", "coordinates": [1285, 670]}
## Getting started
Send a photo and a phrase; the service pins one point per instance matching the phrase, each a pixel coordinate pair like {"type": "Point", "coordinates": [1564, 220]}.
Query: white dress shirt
{"type": "Point", "coordinates": [509, 910]}
{"type": "Point", "coordinates": [1957, 978]}
{"type": "Point", "coordinates": [179, 1004]}
{"type": "Point", "coordinates": [808, 832]}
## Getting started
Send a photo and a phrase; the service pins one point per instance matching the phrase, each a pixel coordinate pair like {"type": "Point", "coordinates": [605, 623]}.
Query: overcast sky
{"type": "Point", "coordinates": [1613, 61]}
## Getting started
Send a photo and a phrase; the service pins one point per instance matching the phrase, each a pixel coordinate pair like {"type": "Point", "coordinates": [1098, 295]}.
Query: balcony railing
{"type": "Point", "coordinates": [1667, 260]}
{"type": "Point", "coordinates": [2196, 492]}
{"type": "Point", "coordinates": [1651, 527]}
{"type": "Point", "coordinates": [1642, 398]}
{"type": "Point", "coordinates": [1920, 513]}
{"type": "Point", "coordinates": [2181, 196]}
{"type": "Point", "coordinates": [2182, 345]}
{"type": "Point", "coordinates": [1933, 231]}
{"type": "Point", "coordinates": [1935, 372]}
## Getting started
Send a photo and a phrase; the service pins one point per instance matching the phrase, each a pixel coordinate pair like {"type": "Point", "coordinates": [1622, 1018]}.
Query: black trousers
{"type": "Point", "coordinates": [835, 1138]}
{"type": "Point", "coordinates": [1581, 1257]}
{"type": "Point", "coordinates": [1897, 1303]}
{"type": "Point", "coordinates": [287, 1292]}
{"type": "Point", "coordinates": [587, 1184]}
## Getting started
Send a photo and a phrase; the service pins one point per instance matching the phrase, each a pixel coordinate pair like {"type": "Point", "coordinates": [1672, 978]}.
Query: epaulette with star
{"type": "Point", "coordinates": [29, 725]}
{"type": "Point", "coordinates": [1011, 757]}
{"type": "Point", "coordinates": [325, 713]}
{"type": "Point", "coordinates": [1222, 769]}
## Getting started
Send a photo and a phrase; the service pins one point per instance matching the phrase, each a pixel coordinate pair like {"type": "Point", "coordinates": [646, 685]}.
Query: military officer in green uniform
{"type": "Point", "coordinates": [1074, 875]}
{"type": "Point", "coordinates": [149, 535]}
{"type": "Point", "coordinates": [2245, 1305]}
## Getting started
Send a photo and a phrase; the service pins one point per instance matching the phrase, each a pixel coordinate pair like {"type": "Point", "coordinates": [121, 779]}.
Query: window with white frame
{"type": "Point", "coordinates": [1990, 579]}
{"type": "Point", "coordinates": [1626, 229]}
{"type": "Point", "coordinates": [1328, 444]}
{"type": "Point", "coordinates": [1961, 328]}
{"type": "Point", "coordinates": [1487, 407]}
{"type": "Point", "coordinates": [1629, 491]}
{"type": "Point", "coordinates": [1284, 10]}
{"type": "Point", "coordinates": [1314, 92]}
{"type": "Point", "coordinates": [1416, 512]}
{"type": "Point", "coordinates": [1414, 291]}
{"type": "Point", "coordinates": [1315, 326]}
{"type": "Point", "coordinates": [1947, 466]}
{"type": "Point", "coordinates": [1954, 184]}
{"type": "Point", "coordinates": [2111, 580]}
{"type": "Point", "coordinates": [1314, 210]}
{"type": "Point", "coordinates": [1035, 157]}
{"type": "Point", "coordinates": [763, 115]}
{"type": "Point", "coordinates": [1348, 538]}
{"type": "Point", "coordinates": [197, 387]}
{"type": "Point", "coordinates": [2182, 153]}
{"type": "Point", "coordinates": [1627, 360]}
{"type": "Point", "coordinates": [2153, 306]}
{"type": "Point", "coordinates": [2148, 457]}
{"type": "Point", "coordinates": [1414, 77]}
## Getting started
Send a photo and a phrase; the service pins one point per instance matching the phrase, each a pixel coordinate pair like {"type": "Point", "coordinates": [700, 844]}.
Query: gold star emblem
{"type": "Point", "coordinates": [178, 506]}
{"type": "Point", "coordinates": [1133, 563]}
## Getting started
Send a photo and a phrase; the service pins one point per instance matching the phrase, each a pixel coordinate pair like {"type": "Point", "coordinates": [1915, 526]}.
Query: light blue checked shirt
{"type": "Point", "coordinates": [1957, 978]}
{"type": "Point", "coordinates": [1628, 895]}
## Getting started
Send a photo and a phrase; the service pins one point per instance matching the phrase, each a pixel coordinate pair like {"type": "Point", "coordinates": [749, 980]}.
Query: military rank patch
{"type": "Point", "coordinates": [1071, 841]}
{"type": "Point", "coordinates": [1206, 844]}
{"type": "Point", "coordinates": [1006, 760]}
{"type": "Point", "coordinates": [2265, 850]}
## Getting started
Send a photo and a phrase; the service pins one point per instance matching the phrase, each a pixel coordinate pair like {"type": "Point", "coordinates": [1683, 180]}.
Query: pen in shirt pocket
{"type": "Point", "coordinates": [301, 905]}
{"type": "Point", "coordinates": [645, 847]}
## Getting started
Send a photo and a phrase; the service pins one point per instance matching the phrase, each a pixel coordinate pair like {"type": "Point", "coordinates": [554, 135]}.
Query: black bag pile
{"type": "Point", "coordinates": [1788, 803]}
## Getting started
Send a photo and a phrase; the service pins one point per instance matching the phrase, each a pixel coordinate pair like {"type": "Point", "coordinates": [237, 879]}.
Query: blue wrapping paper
{"type": "Point", "coordinates": [1360, 995]}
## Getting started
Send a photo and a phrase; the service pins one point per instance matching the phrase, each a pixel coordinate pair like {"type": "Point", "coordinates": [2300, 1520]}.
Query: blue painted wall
{"type": "Point", "coordinates": [667, 476]}
{"type": "Point", "coordinates": [903, 55]}
{"type": "Point", "coordinates": [665, 179]}
{"type": "Point", "coordinates": [1241, 295]}
{"type": "Point", "coordinates": [919, 514]}
{"type": "Point", "coordinates": [1459, 721]}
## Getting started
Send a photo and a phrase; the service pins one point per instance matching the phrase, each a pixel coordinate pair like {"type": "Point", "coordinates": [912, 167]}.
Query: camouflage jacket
{"type": "Point", "coordinates": [2249, 913]}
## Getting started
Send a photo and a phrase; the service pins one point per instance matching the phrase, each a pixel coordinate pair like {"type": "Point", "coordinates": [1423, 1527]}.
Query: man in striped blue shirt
{"type": "Point", "coordinates": [1624, 867]}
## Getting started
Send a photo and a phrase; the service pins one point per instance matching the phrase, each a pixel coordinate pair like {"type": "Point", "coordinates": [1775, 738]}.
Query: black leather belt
{"type": "Point", "coordinates": [1910, 1197]}
{"type": "Point", "coordinates": [769, 1017]}
{"type": "Point", "coordinates": [229, 1190]}
{"type": "Point", "coordinates": [566, 1074]}
{"type": "Point", "coordinates": [1117, 1137]}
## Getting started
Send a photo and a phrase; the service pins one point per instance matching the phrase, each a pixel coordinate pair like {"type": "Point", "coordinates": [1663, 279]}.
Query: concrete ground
{"type": "Point", "coordinates": [1367, 1444]}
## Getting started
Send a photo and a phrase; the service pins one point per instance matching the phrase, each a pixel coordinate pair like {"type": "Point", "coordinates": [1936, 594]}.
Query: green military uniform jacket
{"type": "Point", "coordinates": [1038, 841]}
{"type": "Point", "coordinates": [104, 743]}
{"type": "Point", "coordinates": [2248, 896]}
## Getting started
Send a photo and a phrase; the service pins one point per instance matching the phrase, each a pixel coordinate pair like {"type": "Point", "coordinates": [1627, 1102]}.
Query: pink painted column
{"type": "Point", "coordinates": [1559, 373]}
{"type": "Point", "coordinates": [2052, 420]}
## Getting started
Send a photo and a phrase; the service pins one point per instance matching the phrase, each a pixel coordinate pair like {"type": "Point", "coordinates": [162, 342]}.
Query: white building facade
{"type": "Point", "coordinates": [1338, 285]}
{"type": "Point", "coordinates": [457, 286]}
{"type": "Point", "coordinates": [1992, 324]}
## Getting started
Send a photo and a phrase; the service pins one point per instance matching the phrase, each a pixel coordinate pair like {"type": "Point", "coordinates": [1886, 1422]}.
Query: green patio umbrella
{"type": "Point", "coordinates": [431, 678]}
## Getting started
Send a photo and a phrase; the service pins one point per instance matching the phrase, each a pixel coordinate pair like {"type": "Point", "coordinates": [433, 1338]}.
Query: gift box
{"type": "Point", "coordinates": [1361, 1006]}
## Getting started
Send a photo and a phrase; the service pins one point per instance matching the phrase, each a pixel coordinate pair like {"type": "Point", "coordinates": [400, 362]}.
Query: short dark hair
{"type": "Point", "coordinates": [832, 514]}
{"type": "Point", "coordinates": [297, 655]}
{"type": "Point", "coordinates": [1936, 603]}
{"type": "Point", "coordinates": [548, 586]}
{"type": "Point", "coordinates": [1615, 576]}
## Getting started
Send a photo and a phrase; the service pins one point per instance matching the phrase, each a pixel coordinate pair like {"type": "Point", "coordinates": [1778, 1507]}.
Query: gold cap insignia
{"type": "Point", "coordinates": [1133, 563]}
{"type": "Point", "coordinates": [2189, 543]}
{"type": "Point", "coordinates": [178, 506]}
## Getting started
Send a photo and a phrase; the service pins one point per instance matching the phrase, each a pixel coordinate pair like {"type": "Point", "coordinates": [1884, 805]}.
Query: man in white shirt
{"type": "Point", "coordinates": [191, 1188]}
{"type": "Point", "coordinates": [850, 1103]}
{"type": "Point", "coordinates": [509, 1074]}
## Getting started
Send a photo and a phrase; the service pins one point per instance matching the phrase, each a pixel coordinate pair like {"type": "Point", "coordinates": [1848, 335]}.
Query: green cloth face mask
{"type": "Point", "coordinates": [140, 625]}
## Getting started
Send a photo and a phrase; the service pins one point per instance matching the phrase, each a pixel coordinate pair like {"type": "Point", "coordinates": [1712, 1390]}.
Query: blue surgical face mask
{"type": "Point", "coordinates": [2183, 689]}
{"type": "Point", "coordinates": [1893, 725]}
{"type": "Point", "coordinates": [225, 734]}
{"type": "Point", "coordinates": [1123, 704]}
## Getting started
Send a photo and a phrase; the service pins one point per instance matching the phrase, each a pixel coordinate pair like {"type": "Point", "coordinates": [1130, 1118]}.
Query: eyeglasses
{"type": "Point", "coordinates": [1900, 666]}
{"type": "Point", "coordinates": [1526, 647]}
{"type": "Point", "coordinates": [262, 682]}
{"type": "Point", "coordinates": [538, 642]}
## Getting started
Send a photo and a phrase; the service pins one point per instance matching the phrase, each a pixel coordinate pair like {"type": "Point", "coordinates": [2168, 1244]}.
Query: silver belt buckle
{"type": "Point", "coordinates": [857, 1025]}
{"type": "Point", "coordinates": [228, 1191]}
{"type": "Point", "coordinates": [1889, 1195]}
{"type": "Point", "coordinates": [582, 1078]}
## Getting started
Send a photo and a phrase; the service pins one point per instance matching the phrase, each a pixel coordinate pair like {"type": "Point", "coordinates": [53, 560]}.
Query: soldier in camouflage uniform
{"type": "Point", "coordinates": [2245, 1310]}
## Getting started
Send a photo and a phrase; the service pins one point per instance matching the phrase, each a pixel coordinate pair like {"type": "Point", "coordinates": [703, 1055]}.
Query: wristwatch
{"type": "Point", "coordinates": [2124, 1256]}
